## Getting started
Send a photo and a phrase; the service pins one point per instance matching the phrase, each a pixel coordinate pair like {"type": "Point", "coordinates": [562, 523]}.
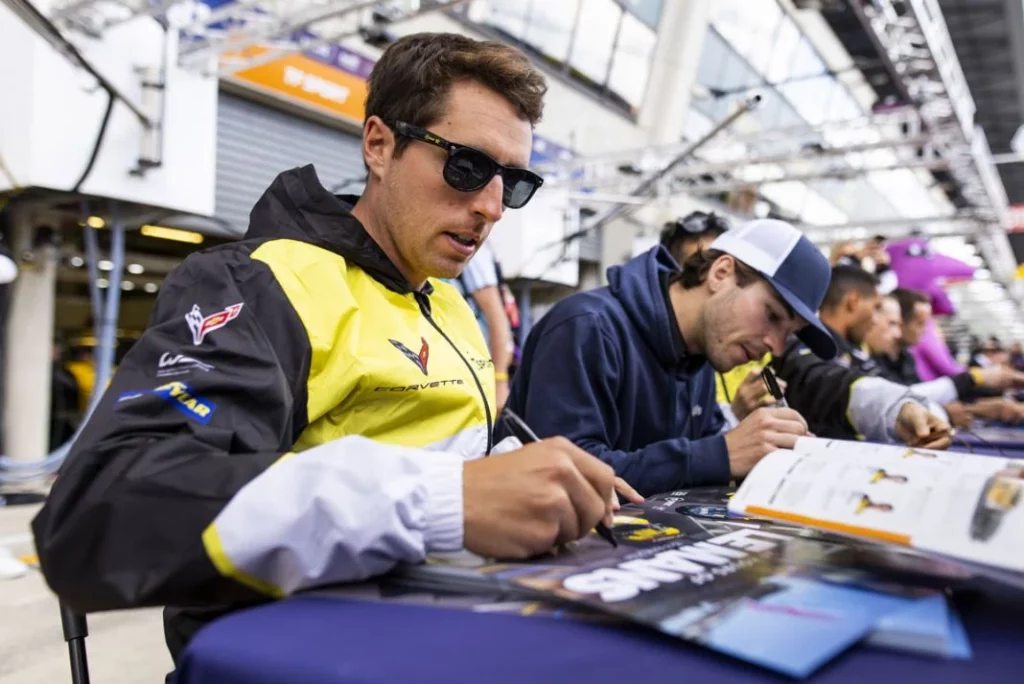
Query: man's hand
{"type": "Point", "coordinates": [960, 415]}
{"type": "Point", "coordinates": [752, 395]}
{"type": "Point", "coordinates": [525, 502]}
{"type": "Point", "coordinates": [999, 378]}
{"type": "Point", "coordinates": [916, 427]}
{"type": "Point", "coordinates": [761, 433]}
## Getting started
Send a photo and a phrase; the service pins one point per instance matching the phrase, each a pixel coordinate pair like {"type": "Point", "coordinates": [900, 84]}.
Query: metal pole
{"type": "Point", "coordinates": [642, 189]}
{"type": "Point", "coordinates": [108, 327]}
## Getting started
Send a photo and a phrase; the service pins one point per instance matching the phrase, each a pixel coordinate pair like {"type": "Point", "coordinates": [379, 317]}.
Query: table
{"type": "Point", "coordinates": [322, 640]}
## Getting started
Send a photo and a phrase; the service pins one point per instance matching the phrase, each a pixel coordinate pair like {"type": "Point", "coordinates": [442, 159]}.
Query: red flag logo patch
{"type": "Point", "coordinates": [201, 325]}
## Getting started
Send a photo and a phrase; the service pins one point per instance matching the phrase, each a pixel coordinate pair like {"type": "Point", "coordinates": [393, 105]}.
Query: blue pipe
{"type": "Point", "coordinates": [105, 325]}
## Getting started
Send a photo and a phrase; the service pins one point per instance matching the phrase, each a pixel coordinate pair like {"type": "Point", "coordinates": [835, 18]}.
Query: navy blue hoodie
{"type": "Point", "coordinates": [603, 368]}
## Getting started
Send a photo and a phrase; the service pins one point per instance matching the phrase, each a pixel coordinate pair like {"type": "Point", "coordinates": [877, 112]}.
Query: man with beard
{"type": "Point", "coordinates": [627, 371]}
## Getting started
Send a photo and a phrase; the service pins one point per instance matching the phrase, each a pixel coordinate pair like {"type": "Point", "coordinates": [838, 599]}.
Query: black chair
{"type": "Point", "coordinates": [75, 631]}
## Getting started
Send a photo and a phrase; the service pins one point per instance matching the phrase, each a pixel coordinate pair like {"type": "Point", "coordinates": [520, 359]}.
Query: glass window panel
{"type": "Point", "coordinates": [631, 66]}
{"type": "Point", "coordinates": [647, 11]}
{"type": "Point", "coordinates": [749, 27]}
{"type": "Point", "coordinates": [508, 16]}
{"type": "Point", "coordinates": [595, 36]}
{"type": "Point", "coordinates": [786, 40]}
{"type": "Point", "coordinates": [806, 61]}
{"type": "Point", "coordinates": [842, 106]}
{"type": "Point", "coordinates": [549, 27]}
{"type": "Point", "coordinates": [810, 97]}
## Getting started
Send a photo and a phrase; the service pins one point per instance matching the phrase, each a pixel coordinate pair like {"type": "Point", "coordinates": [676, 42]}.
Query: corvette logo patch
{"type": "Point", "coordinates": [419, 359]}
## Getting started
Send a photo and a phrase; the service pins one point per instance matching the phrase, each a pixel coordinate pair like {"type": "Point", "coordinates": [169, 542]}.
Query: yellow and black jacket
{"type": "Point", "coordinates": [294, 415]}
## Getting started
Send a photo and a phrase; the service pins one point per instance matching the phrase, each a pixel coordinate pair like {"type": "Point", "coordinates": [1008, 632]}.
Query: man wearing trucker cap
{"type": "Point", "coordinates": [627, 371]}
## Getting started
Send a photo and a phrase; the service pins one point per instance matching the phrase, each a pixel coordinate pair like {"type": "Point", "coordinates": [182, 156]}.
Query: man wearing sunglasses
{"type": "Point", "coordinates": [309, 405]}
{"type": "Point", "coordinates": [695, 231]}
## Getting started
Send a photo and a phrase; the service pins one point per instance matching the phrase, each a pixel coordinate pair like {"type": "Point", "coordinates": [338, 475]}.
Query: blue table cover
{"type": "Point", "coordinates": [333, 641]}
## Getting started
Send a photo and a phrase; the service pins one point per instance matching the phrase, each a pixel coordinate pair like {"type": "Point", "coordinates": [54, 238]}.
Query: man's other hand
{"type": "Point", "coordinates": [759, 434]}
{"type": "Point", "coordinates": [916, 427]}
{"type": "Point", "coordinates": [526, 502]}
{"type": "Point", "coordinates": [752, 395]}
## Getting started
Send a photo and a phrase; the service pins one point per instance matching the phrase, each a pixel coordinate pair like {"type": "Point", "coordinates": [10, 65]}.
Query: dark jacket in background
{"type": "Point", "coordinates": [607, 369]}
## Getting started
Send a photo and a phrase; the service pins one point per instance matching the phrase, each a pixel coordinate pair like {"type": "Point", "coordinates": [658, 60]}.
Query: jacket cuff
{"type": "Point", "coordinates": [442, 475]}
{"type": "Point", "coordinates": [709, 462]}
{"type": "Point", "coordinates": [965, 385]}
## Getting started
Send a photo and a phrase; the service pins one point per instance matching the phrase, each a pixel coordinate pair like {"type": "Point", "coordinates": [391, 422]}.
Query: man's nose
{"type": "Point", "coordinates": [487, 201]}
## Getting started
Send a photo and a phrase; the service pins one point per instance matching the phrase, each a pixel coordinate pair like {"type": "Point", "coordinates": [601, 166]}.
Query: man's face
{"type": "Point", "coordinates": [863, 308]}
{"type": "Point", "coordinates": [884, 337]}
{"type": "Point", "coordinates": [914, 328]}
{"type": "Point", "coordinates": [741, 324]}
{"type": "Point", "coordinates": [435, 229]}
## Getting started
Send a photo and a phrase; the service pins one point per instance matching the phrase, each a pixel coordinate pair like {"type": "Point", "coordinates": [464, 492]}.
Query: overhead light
{"type": "Point", "coordinates": [136, 269]}
{"type": "Point", "coordinates": [176, 234]}
{"type": "Point", "coordinates": [76, 261]}
{"type": "Point", "coordinates": [127, 285]}
{"type": "Point", "coordinates": [95, 222]}
{"type": "Point", "coordinates": [105, 265]}
{"type": "Point", "coordinates": [150, 287]}
{"type": "Point", "coordinates": [102, 282]}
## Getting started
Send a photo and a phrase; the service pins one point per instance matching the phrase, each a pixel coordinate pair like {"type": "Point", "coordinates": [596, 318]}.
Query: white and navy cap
{"type": "Point", "coordinates": [792, 265]}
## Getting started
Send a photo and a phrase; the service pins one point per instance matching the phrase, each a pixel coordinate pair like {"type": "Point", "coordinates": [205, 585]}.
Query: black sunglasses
{"type": "Point", "coordinates": [468, 169]}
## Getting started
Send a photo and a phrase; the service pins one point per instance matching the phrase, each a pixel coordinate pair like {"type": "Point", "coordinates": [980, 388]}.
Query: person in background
{"type": "Point", "coordinates": [870, 256]}
{"type": "Point", "coordinates": [310, 405]}
{"type": "Point", "coordinates": [480, 285]}
{"type": "Point", "coordinates": [848, 312]}
{"type": "Point", "coordinates": [902, 319]}
{"type": "Point", "coordinates": [1017, 356]}
{"type": "Point", "coordinates": [695, 231]}
{"type": "Point", "coordinates": [627, 371]}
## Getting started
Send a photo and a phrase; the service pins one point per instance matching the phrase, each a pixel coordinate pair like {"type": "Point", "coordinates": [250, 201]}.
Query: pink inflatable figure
{"type": "Point", "coordinates": [919, 268]}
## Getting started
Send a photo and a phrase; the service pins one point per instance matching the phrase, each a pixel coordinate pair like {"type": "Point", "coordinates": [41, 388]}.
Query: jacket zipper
{"type": "Point", "coordinates": [421, 300]}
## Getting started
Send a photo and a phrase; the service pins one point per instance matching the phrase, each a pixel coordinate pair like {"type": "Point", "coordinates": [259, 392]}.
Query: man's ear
{"type": "Point", "coordinates": [851, 301]}
{"type": "Point", "coordinates": [720, 271]}
{"type": "Point", "coordinates": [378, 146]}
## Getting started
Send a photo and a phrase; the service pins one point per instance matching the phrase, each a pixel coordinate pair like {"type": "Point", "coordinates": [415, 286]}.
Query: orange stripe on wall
{"type": "Point", "coordinates": [854, 530]}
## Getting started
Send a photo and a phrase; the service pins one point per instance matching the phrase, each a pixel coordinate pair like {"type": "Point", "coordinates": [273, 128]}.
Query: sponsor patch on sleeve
{"type": "Point", "coordinates": [179, 395]}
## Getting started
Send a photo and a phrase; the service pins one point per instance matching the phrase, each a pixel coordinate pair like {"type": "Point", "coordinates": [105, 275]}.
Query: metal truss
{"type": "Point", "coordinates": [842, 150]}
{"type": "Point", "coordinates": [240, 34]}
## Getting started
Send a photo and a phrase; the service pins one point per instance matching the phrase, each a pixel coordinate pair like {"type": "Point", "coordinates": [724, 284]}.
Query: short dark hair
{"type": "Point", "coordinates": [908, 299]}
{"type": "Point", "coordinates": [694, 225]}
{"type": "Point", "coordinates": [847, 279]}
{"type": "Point", "coordinates": [411, 80]}
{"type": "Point", "coordinates": [694, 269]}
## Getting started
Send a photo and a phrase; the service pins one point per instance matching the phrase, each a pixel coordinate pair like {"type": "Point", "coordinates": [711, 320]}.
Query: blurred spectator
{"type": "Point", "coordinates": [1017, 356]}
{"type": "Point", "coordinates": [65, 413]}
{"type": "Point", "coordinates": [482, 288]}
{"type": "Point", "coordinates": [870, 256]}
{"type": "Point", "coordinates": [82, 367]}
{"type": "Point", "coordinates": [694, 231]}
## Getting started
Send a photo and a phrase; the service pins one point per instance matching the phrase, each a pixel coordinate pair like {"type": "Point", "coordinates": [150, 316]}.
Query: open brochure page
{"type": "Point", "coordinates": [965, 506]}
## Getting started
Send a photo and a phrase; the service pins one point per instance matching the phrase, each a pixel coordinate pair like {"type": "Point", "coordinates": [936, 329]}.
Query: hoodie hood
{"type": "Point", "coordinates": [637, 284]}
{"type": "Point", "coordinates": [297, 206]}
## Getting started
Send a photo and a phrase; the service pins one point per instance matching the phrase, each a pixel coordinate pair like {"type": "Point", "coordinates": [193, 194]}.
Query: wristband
{"type": "Point", "coordinates": [501, 377]}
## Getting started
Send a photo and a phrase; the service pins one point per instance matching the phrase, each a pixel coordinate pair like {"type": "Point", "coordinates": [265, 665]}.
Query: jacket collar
{"type": "Point", "coordinates": [298, 206]}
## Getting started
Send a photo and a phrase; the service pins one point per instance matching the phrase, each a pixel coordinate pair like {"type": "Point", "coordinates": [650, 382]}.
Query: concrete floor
{"type": "Point", "coordinates": [123, 648]}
